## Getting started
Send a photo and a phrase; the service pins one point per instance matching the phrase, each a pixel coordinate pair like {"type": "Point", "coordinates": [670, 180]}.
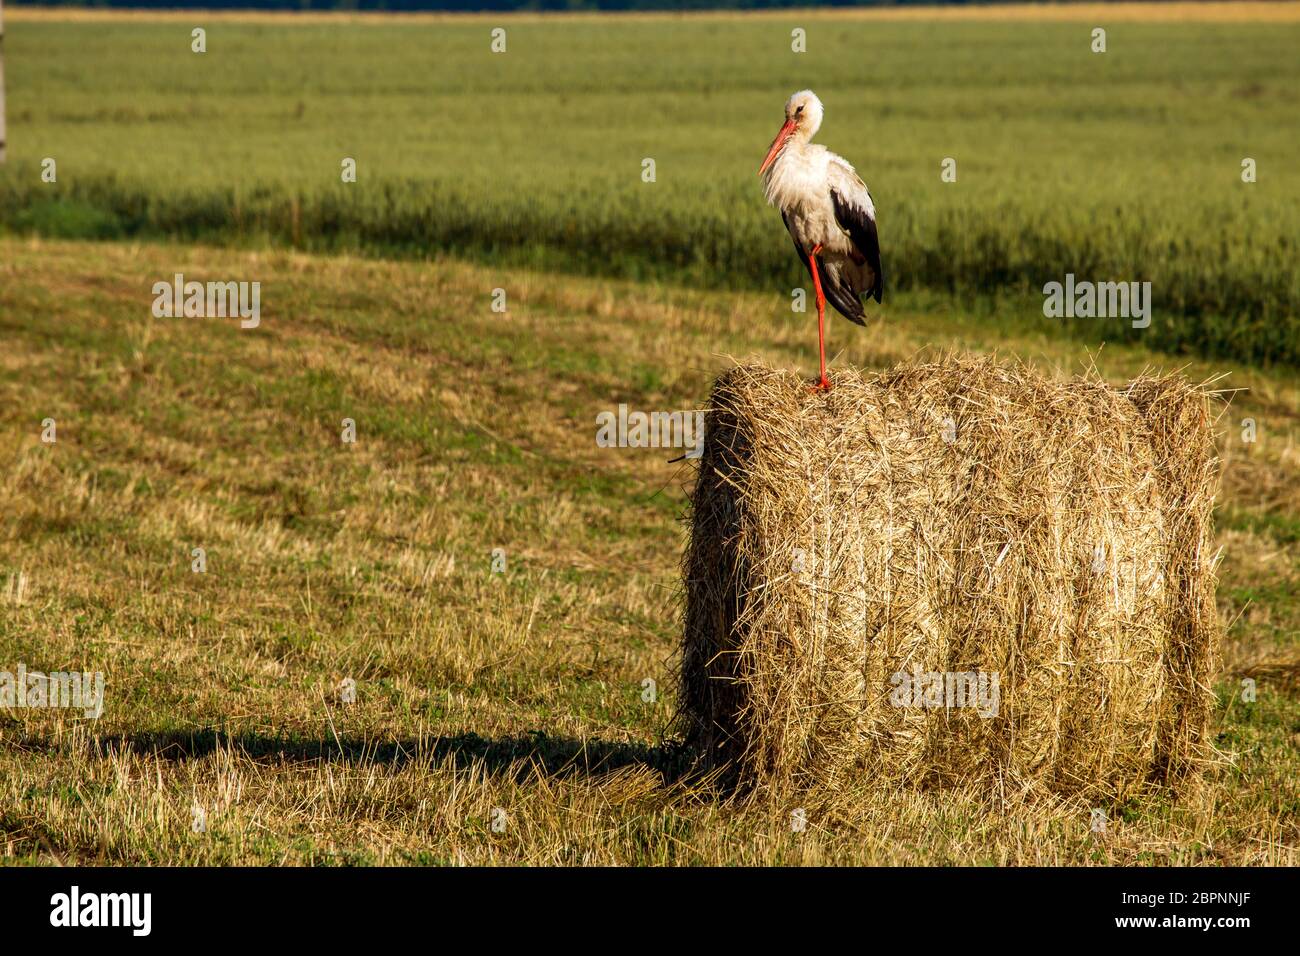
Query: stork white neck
{"type": "Point", "coordinates": [792, 160]}
{"type": "Point", "coordinates": [797, 176]}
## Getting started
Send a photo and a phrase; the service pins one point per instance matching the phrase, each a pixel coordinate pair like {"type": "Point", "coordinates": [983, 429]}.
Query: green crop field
{"type": "Point", "coordinates": [519, 693]}
{"type": "Point", "coordinates": [1118, 166]}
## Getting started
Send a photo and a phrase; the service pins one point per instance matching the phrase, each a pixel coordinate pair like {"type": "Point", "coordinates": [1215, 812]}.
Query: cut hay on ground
{"type": "Point", "coordinates": [961, 517]}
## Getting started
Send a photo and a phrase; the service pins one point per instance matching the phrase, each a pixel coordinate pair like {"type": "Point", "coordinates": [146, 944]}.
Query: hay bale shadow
{"type": "Point", "coordinates": [519, 756]}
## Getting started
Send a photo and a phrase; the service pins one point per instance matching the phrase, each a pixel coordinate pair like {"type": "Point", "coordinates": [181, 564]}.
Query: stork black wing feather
{"type": "Point", "coordinates": [836, 289]}
{"type": "Point", "coordinates": [841, 294]}
{"type": "Point", "coordinates": [861, 228]}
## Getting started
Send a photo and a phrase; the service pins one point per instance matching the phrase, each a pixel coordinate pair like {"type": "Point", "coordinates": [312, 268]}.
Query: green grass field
{"type": "Point", "coordinates": [1117, 166]}
{"type": "Point", "coordinates": [518, 698]}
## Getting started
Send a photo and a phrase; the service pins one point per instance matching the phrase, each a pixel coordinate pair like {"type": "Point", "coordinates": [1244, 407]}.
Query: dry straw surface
{"type": "Point", "coordinates": [957, 517]}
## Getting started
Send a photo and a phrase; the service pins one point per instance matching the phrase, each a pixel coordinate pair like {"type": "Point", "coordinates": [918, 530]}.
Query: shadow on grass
{"type": "Point", "coordinates": [519, 756]}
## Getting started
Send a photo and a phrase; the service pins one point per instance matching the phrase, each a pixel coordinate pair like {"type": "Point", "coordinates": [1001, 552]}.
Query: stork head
{"type": "Point", "coordinates": [803, 117]}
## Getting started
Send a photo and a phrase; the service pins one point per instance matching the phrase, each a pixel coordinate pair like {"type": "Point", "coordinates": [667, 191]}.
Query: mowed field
{"type": "Point", "coordinates": [503, 717]}
{"type": "Point", "coordinates": [520, 690]}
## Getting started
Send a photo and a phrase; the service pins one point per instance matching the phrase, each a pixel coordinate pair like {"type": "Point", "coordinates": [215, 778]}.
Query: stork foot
{"type": "Point", "coordinates": [823, 385]}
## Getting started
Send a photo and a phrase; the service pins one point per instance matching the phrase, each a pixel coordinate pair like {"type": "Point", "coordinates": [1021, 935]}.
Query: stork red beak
{"type": "Point", "coordinates": [777, 145]}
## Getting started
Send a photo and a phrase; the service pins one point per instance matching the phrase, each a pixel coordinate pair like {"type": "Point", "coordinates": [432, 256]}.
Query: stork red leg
{"type": "Point", "coordinates": [823, 383]}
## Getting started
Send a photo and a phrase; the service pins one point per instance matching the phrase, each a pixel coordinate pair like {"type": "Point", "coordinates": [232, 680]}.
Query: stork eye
{"type": "Point", "coordinates": [798, 111]}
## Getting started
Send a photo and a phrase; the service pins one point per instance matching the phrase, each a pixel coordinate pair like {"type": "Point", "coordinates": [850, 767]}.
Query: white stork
{"type": "Point", "coordinates": [829, 214]}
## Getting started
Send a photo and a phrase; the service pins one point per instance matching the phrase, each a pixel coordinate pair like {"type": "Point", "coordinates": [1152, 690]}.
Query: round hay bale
{"type": "Point", "coordinates": [950, 573]}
